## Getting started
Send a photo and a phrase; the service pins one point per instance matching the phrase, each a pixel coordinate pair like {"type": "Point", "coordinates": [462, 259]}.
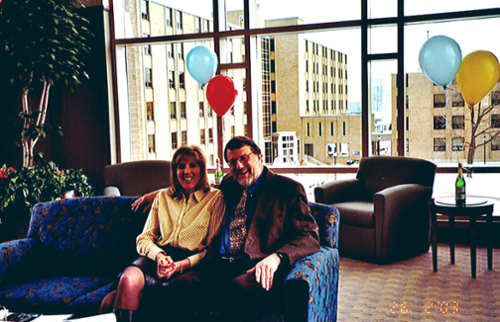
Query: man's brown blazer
{"type": "Point", "coordinates": [282, 221]}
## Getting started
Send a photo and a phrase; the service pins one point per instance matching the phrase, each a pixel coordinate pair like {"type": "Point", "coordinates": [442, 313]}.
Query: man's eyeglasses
{"type": "Point", "coordinates": [243, 159]}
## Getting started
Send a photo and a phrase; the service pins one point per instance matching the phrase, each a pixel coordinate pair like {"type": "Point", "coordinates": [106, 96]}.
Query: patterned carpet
{"type": "Point", "coordinates": [410, 291]}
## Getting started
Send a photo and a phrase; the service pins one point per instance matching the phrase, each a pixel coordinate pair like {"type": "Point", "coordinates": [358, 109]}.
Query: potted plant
{"type": "Point", "coordinates": [41, 42]}
{"type": "Point", "coordinates": [21, 189]}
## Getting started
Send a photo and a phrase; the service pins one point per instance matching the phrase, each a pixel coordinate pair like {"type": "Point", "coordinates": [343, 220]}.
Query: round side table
{"type": "Point", "coordinates": [473, 208]}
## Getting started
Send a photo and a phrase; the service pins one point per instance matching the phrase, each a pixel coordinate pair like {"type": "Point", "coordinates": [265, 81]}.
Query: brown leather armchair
{"type": "Point", "coordinates": [136, 178]}
{"type": "Point", "coordinates": [384, 211]}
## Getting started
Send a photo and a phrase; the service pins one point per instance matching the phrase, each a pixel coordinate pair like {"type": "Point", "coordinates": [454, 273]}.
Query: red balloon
{"type": "Point", "coordinates": [221, 94]}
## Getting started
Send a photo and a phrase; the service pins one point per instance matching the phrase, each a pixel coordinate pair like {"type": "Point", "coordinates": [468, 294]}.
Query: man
{"type": "Point", "coordinates": [261, 238]}
{"type": "Point", "coordinates": [278, 230]}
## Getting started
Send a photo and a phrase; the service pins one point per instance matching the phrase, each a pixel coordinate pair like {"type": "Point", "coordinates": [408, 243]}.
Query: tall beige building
{"type": "Point", "coordinates": [304, 94]}
{"type": "Point", "coordinates": [309, 97]}
{"type": "Point", "coordinates": [438, 122]}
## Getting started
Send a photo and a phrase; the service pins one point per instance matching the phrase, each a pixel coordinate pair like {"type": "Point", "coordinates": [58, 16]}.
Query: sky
{"type": "Point", "coordinates": [470, 35]}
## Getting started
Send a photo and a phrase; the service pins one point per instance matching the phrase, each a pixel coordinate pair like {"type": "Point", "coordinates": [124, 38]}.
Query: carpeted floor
{"type": "Point", "coordinates": [410, 291]}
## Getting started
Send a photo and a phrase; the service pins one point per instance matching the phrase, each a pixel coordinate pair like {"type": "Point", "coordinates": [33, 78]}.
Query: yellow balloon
{"type": "Point", "coordinates": [478, 74]}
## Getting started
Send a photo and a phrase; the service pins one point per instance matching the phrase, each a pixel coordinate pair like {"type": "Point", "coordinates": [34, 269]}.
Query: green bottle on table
{"type": "Point", "coordinates": [460, 187]}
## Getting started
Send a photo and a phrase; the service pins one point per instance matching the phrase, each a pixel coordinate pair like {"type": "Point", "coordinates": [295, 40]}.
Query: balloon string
{"type": "Point", "coordinates": [465, 131]}
{"type": "Point", "coordinates": [444, 113]}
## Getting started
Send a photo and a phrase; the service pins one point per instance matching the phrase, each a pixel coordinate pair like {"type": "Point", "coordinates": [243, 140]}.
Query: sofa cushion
{"type": "Point", "coordinates": [49, 295]}
{"type": "Point", "coordinates": [89, 303]}
{"type": "Point", "coordinates": [357, 213]}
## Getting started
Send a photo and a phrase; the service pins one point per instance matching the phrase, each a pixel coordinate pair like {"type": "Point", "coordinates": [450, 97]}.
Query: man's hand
{"type": "Point", "coordinates": [144, 202]}
{"type": "Point", "coordinates": [265, 269]}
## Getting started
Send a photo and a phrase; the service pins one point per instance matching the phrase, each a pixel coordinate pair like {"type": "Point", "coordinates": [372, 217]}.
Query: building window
{"type": "Point", "coordinates": [183, 110]}
{"type": "Point", "coordinates": [320, 129]}
{"type": "Point", "coordinates": [207, 26]}
{"type": "Point", "coordinates": [202, 109]}
{"type": "Point", "coordinates": [171, 79]}
{"type": "Point", "coordinates": [457, 144]}
{"type": "Point", "coordinates": [309, 148]}
{"type": "Point", "coordinates": [150, 112]}
{"type": "Point", "coordinates": [147, 50]}
{"type": "Point", "coordinates": [439, 144]}
{"type": "Point", "coordinates": [495, 98]}
{"type": "Point", "coordinates": [198, 25]}
{"type": "Point", "coordinates": [179, 19]}
{"type": "Point", "coordinates": [210, 136]}
{"type": "Point", "coordinates": [173, 111]}
{"type": "Point", "coordinates": [209, 112]}
{"type": "Point", "coordinates": [174, 140]}
{"type": "Point", "coordinates": [170, 51]}
{"type": "Point", "coordinates": [439, 100]}
{"type": "Point", "coordinates": [308, 130]}
{"type": "Point", "coordinates": [495, 144]}
{"type": "Point", "coordinates": [331, 129]}
{"type": "Point", "coordinates": [180, 51]}
{"type": "Point", "coordinates": [344, 150]}
{"type": "Point", "coordinates": [307, 106]}
{"type": "Point", "coordinates": [148, 78]}
{"type": "Point", "coordinates": [331, 149]}
{"type": "Point", "coordinates": [184, 136]}
{"type": "Point", "coordinates": [168, 17]}
{"type": "Point", "coordinates": [495, 120]}
{"type": "Point", "coordinates": [181, 80]}
{"type": "Point", "coordinates": [151, 143]}
{"type": "Point", "coordinates": [439, 123]}
{"type": "Point", "coordinates": [457, 100]}
{"type": "Point", "coordinates": [458, 122]}
{"type": "Point", "coordinates": [202, 137]}
{"type": "Point", "coordinates": [343, 129]}
{"type": "Point", "coordinates": [145, 10]}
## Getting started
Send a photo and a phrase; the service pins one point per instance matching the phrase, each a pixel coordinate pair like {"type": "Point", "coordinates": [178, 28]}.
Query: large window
{"type": "Point", "coordinates": [349, 76]}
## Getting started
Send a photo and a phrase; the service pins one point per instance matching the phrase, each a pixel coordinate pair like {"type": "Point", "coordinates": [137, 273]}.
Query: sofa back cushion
{"type": "Point", "coordinates": [91, 235]}
{"type": "Point", "coordinates": [137, 178]}
{"type": "Point", "coordinates": [380, 172]}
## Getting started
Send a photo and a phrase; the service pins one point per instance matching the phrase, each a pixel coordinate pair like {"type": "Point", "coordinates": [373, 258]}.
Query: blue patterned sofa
{"type": "Point", "coordinates": [76, 247]}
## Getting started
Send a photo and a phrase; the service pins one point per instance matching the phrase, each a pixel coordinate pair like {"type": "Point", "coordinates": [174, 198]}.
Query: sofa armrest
{"type": "Point", "coordinates": [311, 287]}
{"type": "Point", "coordinates": [340, 191]}
{"type": "Point", "coordinates": [112, 191]}
{"type": "Point", "coordinates": [16, 257]}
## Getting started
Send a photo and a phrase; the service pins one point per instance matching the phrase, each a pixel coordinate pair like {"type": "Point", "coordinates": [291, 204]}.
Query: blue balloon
{"type": "Point", "coordinates": [440, 58]}
{"type": "Point", "coordinates": [201, 63]}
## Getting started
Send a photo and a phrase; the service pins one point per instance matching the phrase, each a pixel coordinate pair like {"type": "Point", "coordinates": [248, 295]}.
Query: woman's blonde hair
{"type": "Point", "coordinates": [197, 153]}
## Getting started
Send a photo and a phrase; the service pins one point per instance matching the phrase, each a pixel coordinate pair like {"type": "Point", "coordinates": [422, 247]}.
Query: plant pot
{"type": "Point", "coordinates": [68, 194]}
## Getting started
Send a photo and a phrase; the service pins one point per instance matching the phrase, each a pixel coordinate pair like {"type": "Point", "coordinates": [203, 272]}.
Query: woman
{"type": "Point", "coordinates": [181, 224]}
